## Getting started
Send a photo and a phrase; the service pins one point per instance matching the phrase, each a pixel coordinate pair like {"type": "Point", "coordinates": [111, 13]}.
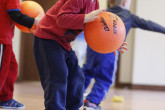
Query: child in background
{"type": "Point", "coordinates": [9, 12]}
{"type": "Point", "coordinates": [61, 77]}
{"type": "Point", "coordinates": [102, 67]}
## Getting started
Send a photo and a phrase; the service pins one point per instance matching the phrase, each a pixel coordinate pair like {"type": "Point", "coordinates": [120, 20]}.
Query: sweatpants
{"type": "Point", "coordinates": [61, 77]}
{"type": "Point", "coordinates": [101, 67]}
{"type": "Point", "coordinates": [8, 72]}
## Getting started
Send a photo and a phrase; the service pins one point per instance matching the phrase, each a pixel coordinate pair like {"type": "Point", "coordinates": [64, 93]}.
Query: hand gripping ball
{"type": "Point", "coordinates": [32, 9]}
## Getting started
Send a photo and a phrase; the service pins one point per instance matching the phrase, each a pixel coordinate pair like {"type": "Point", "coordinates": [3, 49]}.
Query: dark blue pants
{"type": "Point", "coordinates": [101, 67]}
{"type": "Point", "coordinates": [60, 75]}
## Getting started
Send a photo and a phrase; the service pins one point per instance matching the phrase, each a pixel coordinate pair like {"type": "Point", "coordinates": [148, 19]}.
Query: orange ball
{"type": "Point", "coordinates": [32, 9]}
{"type": "Point", "coordinates": [106, 34]}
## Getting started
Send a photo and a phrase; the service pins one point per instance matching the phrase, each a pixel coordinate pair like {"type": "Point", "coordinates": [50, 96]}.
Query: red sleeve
{"type": "Point", "coordinates": [12, 4]}
{"type": "Point", "coordinates": [69, 15]}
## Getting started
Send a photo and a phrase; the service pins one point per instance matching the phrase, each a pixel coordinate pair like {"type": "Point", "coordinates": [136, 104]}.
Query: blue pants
{"type": "Point", "coordinates": [101, 67]}
{"type": "Point", "coordinates": [61, 77]}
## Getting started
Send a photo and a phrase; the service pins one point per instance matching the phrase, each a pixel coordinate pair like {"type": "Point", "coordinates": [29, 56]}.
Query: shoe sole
{"type": "Point", "coordinates": [86, 108]}
{"type": "Point", "coordinates": [14, 108]}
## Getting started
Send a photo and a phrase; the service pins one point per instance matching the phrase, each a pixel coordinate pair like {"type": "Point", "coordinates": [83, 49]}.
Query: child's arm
{"type": "Point", "coordinates": [23, 19]}
{"type": "Point", "coordinates": [147, 25]}
{"type": "Point", "coordinates": [13, 8]}
{"type": "Point", "coordinates": [70, 15]}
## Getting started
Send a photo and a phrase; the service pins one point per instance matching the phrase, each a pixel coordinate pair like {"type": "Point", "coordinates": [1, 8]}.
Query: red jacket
{"type": "Point", "coordinates": [6, 23]}
{"type": "Point", "coordinates": [65, 20]}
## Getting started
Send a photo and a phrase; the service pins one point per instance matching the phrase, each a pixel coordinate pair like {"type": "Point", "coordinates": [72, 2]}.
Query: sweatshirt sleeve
{"type": "Point", "coordinates": [70, 15]}
{"type": "Point", "coordinates": [146, 24]}
{"type": "Point", "coordinates": [13, 5]}
{"type": "Point", "coordinates": [13, 9]}
{"type": "Point", "coordinates": [21, 19]}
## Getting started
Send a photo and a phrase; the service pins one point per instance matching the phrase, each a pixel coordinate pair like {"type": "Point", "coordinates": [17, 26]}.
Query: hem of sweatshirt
{"type": "Point", "coordinates": [68, 48]}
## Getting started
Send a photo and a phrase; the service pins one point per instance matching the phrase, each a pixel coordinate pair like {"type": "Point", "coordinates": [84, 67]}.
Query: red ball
{"type": "Point", "coordinates": [106, 34]}
{"type": "Point", "coordinates": [32, 9]}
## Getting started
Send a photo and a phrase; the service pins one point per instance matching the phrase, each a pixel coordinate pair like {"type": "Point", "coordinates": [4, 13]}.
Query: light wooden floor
{"type": "Point", "coordinates": [31, 95]}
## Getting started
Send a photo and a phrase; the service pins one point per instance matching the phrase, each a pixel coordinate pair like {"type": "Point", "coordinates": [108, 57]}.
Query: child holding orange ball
{"type": "Point", "coordinates": [61, 77]}
{"type": "Point", "coordinates": [102, 67]}
{"type": "Point", "coordinates": [10, 13]}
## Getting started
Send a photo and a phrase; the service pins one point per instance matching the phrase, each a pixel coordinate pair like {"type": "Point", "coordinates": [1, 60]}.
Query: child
{"type": "Point", "coordinates": [102, 67]}
{"type": "Point", "coordinates": [61, 77]}
{"type": "Point", "coordinates": [10, 10]}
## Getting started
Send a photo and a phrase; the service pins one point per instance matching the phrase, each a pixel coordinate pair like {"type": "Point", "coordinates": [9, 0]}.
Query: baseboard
{"type": "Point", "coordinates": [148, 87]}
{"type": "Point", "coordinates": [123, 85]}
{"type": "Point", "coordinates": [140, 87]}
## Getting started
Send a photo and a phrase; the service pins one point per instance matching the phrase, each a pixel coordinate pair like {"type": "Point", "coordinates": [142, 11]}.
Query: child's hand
{"type": "Point", "coordinates": [92, 15]}
{"type": "Point", "coordinates": [38, 18]}
{"type": "Point", "coordinates": [122, 47]}
{"type": "Point", "coordinates": [36, 21]}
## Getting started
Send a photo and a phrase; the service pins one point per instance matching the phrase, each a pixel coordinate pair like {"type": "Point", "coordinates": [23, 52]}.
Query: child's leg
{"type": "Point", "coordinates": [8, 74]}
{"type": "Point", "coordinates": [75, 83]}
{"type": "Point", "coordinates": [6, 56]}
{"type": "Point", "coordinates": [50, 59]}
{"type": "Point", "coordinates": [8, 88]}
{"type": "Point", "coordinates": [104, 77]}
{"type": "Point", "coordinates": [88, 67]}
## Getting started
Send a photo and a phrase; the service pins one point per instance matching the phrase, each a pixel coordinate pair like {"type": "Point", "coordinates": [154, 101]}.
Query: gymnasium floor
{"type": "Point", "coordinates": [31, 94]}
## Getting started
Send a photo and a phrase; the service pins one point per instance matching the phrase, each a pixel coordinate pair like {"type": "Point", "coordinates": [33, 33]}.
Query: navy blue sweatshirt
{"type": "Point", "coordinates": [133, 21]}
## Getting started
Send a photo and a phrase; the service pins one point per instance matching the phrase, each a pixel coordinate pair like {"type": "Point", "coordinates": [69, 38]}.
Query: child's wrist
{"type": "Point", "coordinates": [86, 18]}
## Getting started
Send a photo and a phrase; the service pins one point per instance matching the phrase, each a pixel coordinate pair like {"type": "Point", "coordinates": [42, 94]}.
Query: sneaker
{"type": "Point", "coordinates": [11, 104]}
{"type": "Point", "coordinates": [90, 106]}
